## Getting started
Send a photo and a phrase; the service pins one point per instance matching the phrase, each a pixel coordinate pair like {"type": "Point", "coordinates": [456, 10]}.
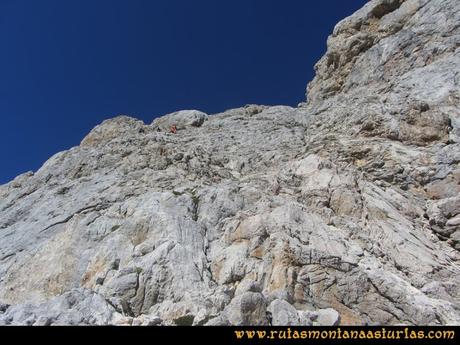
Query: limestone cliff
{"type": "Point", "coordinates": [344, 210]}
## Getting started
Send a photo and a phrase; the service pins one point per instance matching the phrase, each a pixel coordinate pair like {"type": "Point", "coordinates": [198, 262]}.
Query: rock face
{"type": "Point", "coordinates": [344, 210]}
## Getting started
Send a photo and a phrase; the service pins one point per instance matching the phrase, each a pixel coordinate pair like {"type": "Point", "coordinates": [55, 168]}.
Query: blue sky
{"type": "Point", "coordinates": [67, 65]}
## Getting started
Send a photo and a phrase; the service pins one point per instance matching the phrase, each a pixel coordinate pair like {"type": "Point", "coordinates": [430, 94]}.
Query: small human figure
{"type": "Point", "coordinates": [173, 129]}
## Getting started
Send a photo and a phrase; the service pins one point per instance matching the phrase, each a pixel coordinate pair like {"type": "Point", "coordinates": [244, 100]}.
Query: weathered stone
{"type": "Point", "coordinates": [345, 207]}
{"type": "Point", "coordinates": [181, 119]}
{"type": "Point", "coordinates": [283, 313]}
{"type": "Point", "coordinates": [247, 309]}
{"type": "Point", "coordinates": [76, 307]}
{"type": "Point", "coordinates": [328, 317]}
{"type": "Point", "coordinates": [3, 307]}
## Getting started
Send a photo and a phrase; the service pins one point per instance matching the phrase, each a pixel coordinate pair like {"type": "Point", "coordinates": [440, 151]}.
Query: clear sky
{"type": "Point", "coordinates": [66, 65]}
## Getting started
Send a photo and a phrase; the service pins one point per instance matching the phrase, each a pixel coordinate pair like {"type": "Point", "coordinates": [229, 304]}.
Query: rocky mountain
{"type": "Point", "coordinates": [344, 210]}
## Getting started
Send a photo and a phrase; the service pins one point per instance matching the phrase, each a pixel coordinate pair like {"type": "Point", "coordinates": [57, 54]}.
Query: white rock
{"type": "Point", "coordinates": [283, 313]}
{"type": "Point", "coordinates": [328, 317]}
{"type": "Point", "coordinates": [351, 200]}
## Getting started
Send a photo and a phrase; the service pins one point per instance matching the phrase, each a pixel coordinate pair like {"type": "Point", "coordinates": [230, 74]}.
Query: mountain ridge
{"type": "Point", "coordinates": [344, 210]}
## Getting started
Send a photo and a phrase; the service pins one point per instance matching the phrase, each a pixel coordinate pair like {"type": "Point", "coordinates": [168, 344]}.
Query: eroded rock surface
{"type": "Point", "coordinates": [344, 210]}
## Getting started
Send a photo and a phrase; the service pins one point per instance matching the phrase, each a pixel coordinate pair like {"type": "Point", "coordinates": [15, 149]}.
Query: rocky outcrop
{"type": "Point", "coordinates": [344, 210]}
{"type": "Point", "coordinates": [181, 120]}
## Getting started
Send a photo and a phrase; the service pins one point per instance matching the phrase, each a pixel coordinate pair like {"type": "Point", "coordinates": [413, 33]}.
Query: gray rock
{"type": "Point", "coordinates": [247, 309]}
{"type": "Point", "coordinates": [349, 201]}
{"type": "Point", "coordinates": [3, 307]}
{"type": "Point", "coordinates": [76, 307]}
{"type": "Point", "coordinates": [181, 119]}
{"type": "Point", "coordinates": [283, 313]}
{"type": "Point", "coordinates": [328, 317]}
{"type": "Point", "coordinates": [218, 321]}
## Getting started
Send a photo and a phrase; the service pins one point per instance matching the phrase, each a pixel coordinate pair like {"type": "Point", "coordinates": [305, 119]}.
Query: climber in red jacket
{"type": "Point", "coordinates": [173, 129]}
